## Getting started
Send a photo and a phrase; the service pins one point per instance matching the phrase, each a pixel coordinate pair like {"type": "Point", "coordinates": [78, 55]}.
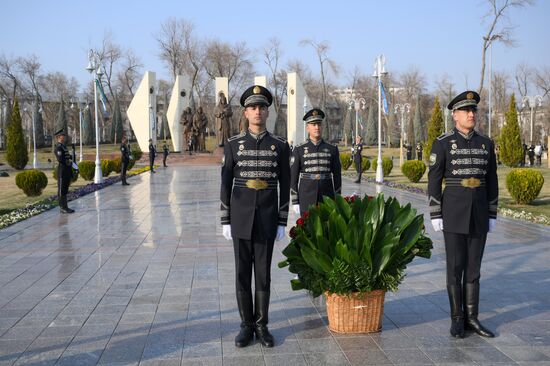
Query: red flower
{"type": "Point", "coordinates": [300, 221]}
{"type": "Point", "coordinates": [353, 198]}
{"type": "Point", "coordinates": [306, 215]}
{"type": "Point", "coordinates": [347, 198]}
{"type": "Point", "coordinates": [292, 232]}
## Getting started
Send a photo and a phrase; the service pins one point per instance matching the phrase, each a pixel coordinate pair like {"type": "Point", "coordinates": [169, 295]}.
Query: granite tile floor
{"type": "Point", "coordinates": [141, 275]}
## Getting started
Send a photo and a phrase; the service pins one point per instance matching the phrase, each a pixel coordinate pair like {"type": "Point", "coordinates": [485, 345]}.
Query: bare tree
{"type": "Point", "coordinates": [542, 80]}
{"type": "Point", "coordinates": [523, 78]}
{"type": "Point", "coordinates": [497, 13]}
{"type": "Point", "coordinates": [171, 42]}
{"type": "Point", "coordinates": [9, 80]}
{"type": "Point", "coordinates": [413, 83]}
{"type": "Point", "coordinates": [30, 67]}
{"type": "Point", "coordinates": [128, 76]}
{"type": "Point", "coordinates": [109, 54]}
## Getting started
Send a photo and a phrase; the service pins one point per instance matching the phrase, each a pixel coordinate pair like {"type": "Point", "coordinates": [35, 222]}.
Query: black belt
{"type": "Point", "coordinates": [256, 184]}
{"type": "Point", "coordinates": [316, 176]}
{"type": "Point", "coordinates": [470, 182]}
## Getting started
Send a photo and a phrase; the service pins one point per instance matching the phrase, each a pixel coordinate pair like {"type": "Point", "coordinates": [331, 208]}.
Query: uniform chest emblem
{"type": "Point", "coordinates": [273, 147]}
{"type": "Point", "coordinates": [306, 151]}
{"type": "Point", "coordinates": [453, 146]}
{"type": "Point", "coordinates": [241, 147]}
{"type": "Point", "coordinates": [241, 142]}
{"type": "Point", "coordinates": [291, 161]}
{"type": "Point", "coordinates": [325, 150]}
{"type": "Point", "coordinates": [483, 146]}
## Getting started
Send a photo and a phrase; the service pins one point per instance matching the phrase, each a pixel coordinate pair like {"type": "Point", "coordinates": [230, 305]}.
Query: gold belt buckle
{"type": "Point", "coordinates": [470, 182]}
{"type": "Point", "coordinates": [256, 184]}
{"type": "Point", "coordinates": [318, 176]}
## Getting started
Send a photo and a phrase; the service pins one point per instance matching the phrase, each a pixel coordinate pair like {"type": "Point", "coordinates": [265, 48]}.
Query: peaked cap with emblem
{"type": "Point", "coordinates": [314, 115]}
{"type": "Point", "coordinates": [61, 132]}
{"type": "Point", "coordinates": [256, 95]}
{"type": "Point", "coordinates": [465, 99]}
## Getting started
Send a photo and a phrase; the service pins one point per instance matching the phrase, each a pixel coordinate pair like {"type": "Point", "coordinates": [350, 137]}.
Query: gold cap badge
{"type": "Point", "coordinates": [256, 90]}
{"type": "Point", "coordinates": [314, 113]}
{"type": "Point", "coordinates": [470, 95]}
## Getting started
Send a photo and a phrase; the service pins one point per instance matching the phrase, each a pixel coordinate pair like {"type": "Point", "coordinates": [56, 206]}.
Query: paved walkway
{"type": "Point", "coordinates": [141, 275]}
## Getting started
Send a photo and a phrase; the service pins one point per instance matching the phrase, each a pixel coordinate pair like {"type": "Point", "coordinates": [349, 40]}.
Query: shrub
{"type": "Point", "coordinates": [32, 182]}
{"type": "Point", "coordinates": [131, 164]}
{"type": "Point", "coordinates": [345, 160]}
{"type": "Point", "coordinates": [414, 170]}
{"type": "Point", "coordinates": [117, 165]}
{"type": "Point", "coordinates": [136, 152]}
{"type": "Point", "coordinates": [87, 169]}
{"type": "Point", "coordinates": [74, 177]}
{"type": "Point", "coordinates": [107, 166]}
{"type": "Point", "coordinates": [524, 184]}
{"type": "Point", "coordinates": [365, 163]}
{"type": "Point", "coordinates": [387, 165]}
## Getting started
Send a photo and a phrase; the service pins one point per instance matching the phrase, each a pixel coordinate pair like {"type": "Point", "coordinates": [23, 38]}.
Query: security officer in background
{"type": "Point", "coordinates": [124, 159]}
{"type": "Point", "coordinates": [253, 213]}
{"type": "Point", "coordinates": [152, 155]}
{"type": "Point", "coordinates": [356, 150]}
{"type": "Point", "coordinates": [64, 170]}
{"type": "Point", "coordinates": [419, 151]}
{"type": "Point", "coordinates": [165, 152]}
{"type": "Point", "coordinates": [315, 169]}
{"type": "Point", "coordinates": [466, 210]}
{"type": "Point", "coordinates": [409, 151]}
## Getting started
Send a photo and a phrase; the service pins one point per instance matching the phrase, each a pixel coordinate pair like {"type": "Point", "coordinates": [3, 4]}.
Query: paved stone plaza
{"type": "Point", "coordinates": [141, 275]}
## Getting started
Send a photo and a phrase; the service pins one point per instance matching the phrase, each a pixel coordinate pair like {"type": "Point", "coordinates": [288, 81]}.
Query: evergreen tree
{"type": "Point", "coordinates": [511, 150]}
{"type": "Point", "coordinates": [435, 129]}
{"type": "Point", "coordinates": [117, 128]}
{"type": "Point", "coordinates": [88, 134]}
{"type": "Point", "coordinates": [410, 133]}
{"type": "Point", "coordinates": [372, 132]}
{"type": "Point", "coordinates": [394, 129]}
{"type": "Point", "coordinates": [38, 125]}
{"type": "Point", "coordinates": [417, 122]}
{"type": "Point", "coordinates": [61, 121]}
{"type": "Point", "coordinates": [16, 151]}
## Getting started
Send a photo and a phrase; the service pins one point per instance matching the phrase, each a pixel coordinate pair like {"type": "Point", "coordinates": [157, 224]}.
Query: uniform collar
{"type": "Point", "coordinates": [316, 143]}
{"type": "Point", "coordinates": [259, 136]}
{"type": "Point", "coordinates": [468, 136]}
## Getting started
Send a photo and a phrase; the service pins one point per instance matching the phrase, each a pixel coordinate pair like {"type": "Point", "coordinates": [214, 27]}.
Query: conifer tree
{"type": "Point", "coordinates": [417, 122]}
{"type": "Point", "coordinates": [38, 125]}
{"type": "Point", "coordinates": [372, 133]}
{"type": "Point", "coordinates": [511, 150]}
{"type": "Point", "coordinates": [88, 134]}
{"type": "Point", "coordinates": [16, 151]}
{"type": "Point", "coordinates": [61, 120]}
{"type": "Point", "coordinates": [435, 128]}
{"type": "Point", "coordinates": [117, 128]}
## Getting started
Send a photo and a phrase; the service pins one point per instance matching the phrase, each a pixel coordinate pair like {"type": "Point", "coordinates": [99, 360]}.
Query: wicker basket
{"type": "Point", "coordinates": [355, 313]}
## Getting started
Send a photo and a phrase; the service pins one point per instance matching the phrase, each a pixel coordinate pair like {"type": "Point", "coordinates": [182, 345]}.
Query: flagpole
{"type": "Point", "coordinates": [94, 67]}
{"type": "Point", "coordinates": [379, 70]}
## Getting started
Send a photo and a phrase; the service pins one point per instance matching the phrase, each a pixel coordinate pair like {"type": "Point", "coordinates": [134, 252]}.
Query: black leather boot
{"type": "Point", "coordinates": [246, 334]}
{"type": "Point", "coordinates": [261, 303]}
{"type": "Point", "coordinates": [63, 205]}
{"type": "Point", "coordinates": [457, 315]}
{"type": "Point", "coordinates": [471, 305]}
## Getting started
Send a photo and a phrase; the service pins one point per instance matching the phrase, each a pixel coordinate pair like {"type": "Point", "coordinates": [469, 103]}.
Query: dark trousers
{"type": "Point", "coordinates": [164, 160]}
{"type": "Point", "coordinates": [151, 163]}
{"type": "Point", "coordinates": [464, 253]}
{"type": "Point", "coordinates": [123, 169]}
{"type": "Point", "coordinates": [359, 167]}
{"type": "Point", "coordinates": [252, 254]}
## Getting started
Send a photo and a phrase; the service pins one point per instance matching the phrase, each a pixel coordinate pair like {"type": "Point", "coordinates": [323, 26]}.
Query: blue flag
{"type": "Point", "coordinates": [384, 100]}
{"type": "Point", "coordinates": [102, 96]}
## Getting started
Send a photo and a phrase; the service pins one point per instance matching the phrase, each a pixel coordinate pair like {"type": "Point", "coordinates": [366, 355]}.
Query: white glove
{"type": "Point", "coordinates": [226, 232]}
{"type": "Point", "coordinates": [280, 233]}
{"type": "Point", "coordinates": [492, 225]}
{"type": "Point", "coordinates": [437, 224]}
{"type": "Point", "coordinates": [75, 167]}
{"type": "Point", "coordinates": [296, 209]}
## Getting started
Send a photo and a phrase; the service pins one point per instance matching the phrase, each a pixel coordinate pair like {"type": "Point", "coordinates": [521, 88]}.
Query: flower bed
{"type": "Point", "coordinates": [33, 209]}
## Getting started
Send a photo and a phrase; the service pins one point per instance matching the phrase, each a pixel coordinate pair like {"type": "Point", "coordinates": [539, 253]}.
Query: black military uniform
{"type": "Point", "coordinates": [419, 151]}
{"type": "Point", "coordinates": [152, 155]}
{"type": "Point", "coordinates": [125, 160]}
{"type": "Point", "coordinates": [165, 153]}
{"type": "Point", "coordinates": [409, 151]}
{"type": "Point", "coordinates": [468, 165]}
{"type": "Point", "coordinates": [64, 172]}
{"type": "Point", "coordinates": [314, 169]}
{"type": "Point", "coordinates": [531, 154]}
{"type": "Point", "coordinates": [253, 169]}
{"type": "Point", "coordinates": [356, 150]}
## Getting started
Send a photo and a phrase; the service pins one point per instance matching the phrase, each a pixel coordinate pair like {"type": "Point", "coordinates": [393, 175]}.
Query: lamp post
{"type": "Point", "coordinates": [404, 108]}
{"type": "Point", "coordinates": [533, 102]}
{"type": "Point", "coordinates": [305, 111]}
{"type": "Point", "coordinates": [94, 68]}
{"type": "Point", "coordinates": [379, 70]}
{"type": "Point", "coordinates": [81, 104]}
{"type": "Point", "coordinates": [357, 103]}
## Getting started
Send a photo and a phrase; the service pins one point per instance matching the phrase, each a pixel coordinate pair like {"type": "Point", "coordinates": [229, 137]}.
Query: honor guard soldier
{"type": "Point", "coordinates": [255, 190]}
{"type": "Point", "coordinates": [165, 152]}
{"type": "Point", "coordinates": [64, 170]}
{"type": "Point", "coordinates": [466, 210]}
{"type": "Point", "coordinates": [419, 151]}
{"type": "Point", "coordinates": [357, 157]}
{"type": "Point", "coordinates": [315, 169]}
{"type": "Point", "coordinates": [152, 155]}
{"type": "Point", "coordinates": [124, 160]}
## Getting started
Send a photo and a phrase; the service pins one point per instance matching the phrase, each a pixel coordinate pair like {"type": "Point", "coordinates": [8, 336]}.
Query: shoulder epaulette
{"type": "Point", "coordinates": [303, 143]}
{"type": "Point", "coordinates": [242, 134]}
{"type": "Point", "coordinates": [445, 135]}
{"type": "Point", "coordinates": [279, 138]}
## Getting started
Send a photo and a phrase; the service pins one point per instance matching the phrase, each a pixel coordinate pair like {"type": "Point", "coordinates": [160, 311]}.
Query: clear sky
{"type": "Point", "coordinates": [436, 36]}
